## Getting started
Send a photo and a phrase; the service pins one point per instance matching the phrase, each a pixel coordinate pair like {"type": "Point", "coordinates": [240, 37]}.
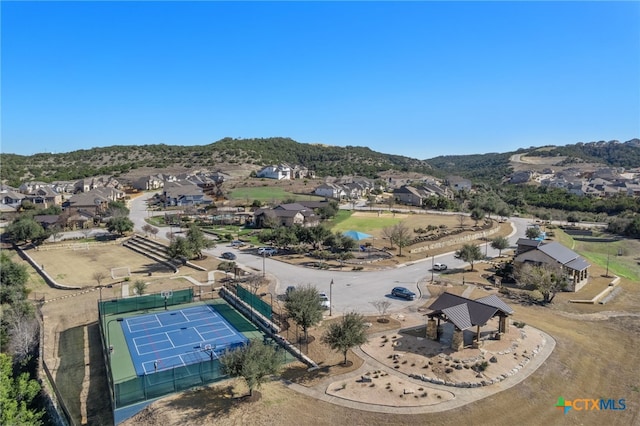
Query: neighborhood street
{"type": "Point", "coordinates": [352, 290]}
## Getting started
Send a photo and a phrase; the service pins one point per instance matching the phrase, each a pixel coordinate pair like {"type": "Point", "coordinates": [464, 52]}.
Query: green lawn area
{"type": "Point", "coordinates": [369, 225]}
{"type": "Point", "coordinates": [269, 194]}
{"type": "Point", "coordinates": [600, 252]}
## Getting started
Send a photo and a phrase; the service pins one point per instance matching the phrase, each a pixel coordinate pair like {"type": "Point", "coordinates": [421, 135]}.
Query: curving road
{"type": "Point", "coordinates": [352, 291]}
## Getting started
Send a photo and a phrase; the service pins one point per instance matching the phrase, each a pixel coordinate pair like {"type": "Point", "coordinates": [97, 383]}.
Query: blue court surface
{"type": "Point", "coordinates": [169, 339]}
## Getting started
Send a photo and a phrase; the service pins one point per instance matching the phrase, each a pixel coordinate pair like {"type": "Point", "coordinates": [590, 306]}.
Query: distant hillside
{"type": "Point", "coordinates": [117, 159]}
{"type": "Point", "coordinates": [325, 160]}
{"type": "Point", "coordinates": [490, 168]}
{"type": "Point", "coordinates": [612, 153]}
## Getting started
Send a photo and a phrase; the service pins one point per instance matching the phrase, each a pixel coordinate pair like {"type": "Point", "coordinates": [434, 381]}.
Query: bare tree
{"type": "Point", "coordinates": [22, 329]}
{"type": "Point", "coordinates": [401, 236]}
{"type": "Point", "coordinates": [99, 276]}
{"type": "Point", "coordinates": [382, 306]}
{"type": "Point", "coordinates": [86, 232]}
{"type": "Point", "coordinates": [154, 231]}
{"type": "Point", "coordinates": [461, 219]}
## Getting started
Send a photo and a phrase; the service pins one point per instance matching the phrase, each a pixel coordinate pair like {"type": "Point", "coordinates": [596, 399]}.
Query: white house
{"type": "Point", "coordinates": [278, 172]}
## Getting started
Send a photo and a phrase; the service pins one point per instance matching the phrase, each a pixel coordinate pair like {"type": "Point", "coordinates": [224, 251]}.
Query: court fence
{"type": "Point", "coordinates": [146, 301]}
{"type": "Point", "coordinates": [160, 383]}
{"type": "Point", "coordinates": [254, 301]}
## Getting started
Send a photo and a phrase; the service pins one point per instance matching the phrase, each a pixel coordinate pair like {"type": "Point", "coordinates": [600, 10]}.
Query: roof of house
{"type": "Point", "coordinates": [558, 252]}
{"type": "Point", "coordinates": [528, 242]}
{"type": "Point", "coordinates": [465, 313]}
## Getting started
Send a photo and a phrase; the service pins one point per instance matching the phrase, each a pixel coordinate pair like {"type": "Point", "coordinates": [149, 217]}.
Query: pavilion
{"type": "Point", "coordinates": [464, 314]}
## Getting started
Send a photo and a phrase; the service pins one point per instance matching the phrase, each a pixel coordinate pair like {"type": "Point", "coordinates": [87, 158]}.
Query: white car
{"type": "Point", "coordinates": [324, 300]}
{"type": "Point", "coordinates": [439, 267]}
{"type": "Point", "coordinates": [269, 251]}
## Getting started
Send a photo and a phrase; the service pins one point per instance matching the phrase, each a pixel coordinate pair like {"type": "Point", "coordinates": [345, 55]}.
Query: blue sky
{"type": "Point", "coordinates": [420, 79]}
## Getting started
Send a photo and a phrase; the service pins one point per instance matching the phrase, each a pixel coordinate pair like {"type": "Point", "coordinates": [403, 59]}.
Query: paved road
{"type": "Point", "coordinates": [352, 291]}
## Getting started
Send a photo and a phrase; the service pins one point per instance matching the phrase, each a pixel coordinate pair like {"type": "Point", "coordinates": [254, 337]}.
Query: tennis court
{"type": "Point", "coordinates": [165, 340]}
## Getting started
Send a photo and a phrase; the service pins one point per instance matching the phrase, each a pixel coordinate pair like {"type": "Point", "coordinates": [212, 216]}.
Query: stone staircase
{"type": "Point", "coordinates": [153, 250]}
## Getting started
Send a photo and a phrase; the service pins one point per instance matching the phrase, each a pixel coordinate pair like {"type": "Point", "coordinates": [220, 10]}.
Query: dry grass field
{"type": "Point", "coordinates": [595, 356]}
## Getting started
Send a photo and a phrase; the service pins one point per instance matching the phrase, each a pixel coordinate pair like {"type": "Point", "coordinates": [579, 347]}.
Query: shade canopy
{"type": "Point", "coordinates": [356, 235]}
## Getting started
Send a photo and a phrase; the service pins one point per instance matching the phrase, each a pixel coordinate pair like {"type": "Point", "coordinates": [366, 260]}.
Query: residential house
{"type": "Point", "coordinates": [95, 201]}
{"type": "Point", "coordinates": [11, 198]}
{"type": "Point", "coordinates": [330, 190]}
{"type": "Point", "coordinates": [184, 193]}
{"type": "Point", "coordinates": [409, 195]}
{"type": "Point", "coordinates": [47, 221]}
{"type": "Point", "coordinates": [286, 215]}
{"type": "Point", "coordinates": [458, 183]}
{"type": "Point", "coordinates": [555, 254]}
{"type": "Point", "coordinates": [299, 172]}
{"type": "Point", "coordinates": [44, 196]}
{"type": "Point", "coordinates": [149, 183]}
{"type": "Point", "coordinates": [278, 172]}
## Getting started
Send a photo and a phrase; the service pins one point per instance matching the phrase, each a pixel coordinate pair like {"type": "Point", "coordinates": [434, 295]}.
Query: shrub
{"type": "Point", "coordinates": [519, 324]}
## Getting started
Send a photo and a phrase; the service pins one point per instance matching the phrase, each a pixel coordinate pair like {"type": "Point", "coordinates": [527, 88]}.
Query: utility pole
{"type": "Point", "coordinates": [331, 298]}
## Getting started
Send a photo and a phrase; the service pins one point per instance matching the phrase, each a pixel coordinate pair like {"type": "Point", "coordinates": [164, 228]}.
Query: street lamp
{"type": "Point", "coordinates": [109, 333]}
{"type": "Point", "coordinates": [331, 298]}
{"type": "Point", "coordinates": [100, 288]}
{"type": "Point", "coordinates": [432, 268]}
{"type": "Point", "coordinates": [264, 256]}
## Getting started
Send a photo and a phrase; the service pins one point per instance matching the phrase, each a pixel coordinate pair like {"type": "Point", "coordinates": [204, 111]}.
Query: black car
{"type": "Point", "coordinates": [228, 255]}
{"type": "Point", "coordinates": [403, 292]}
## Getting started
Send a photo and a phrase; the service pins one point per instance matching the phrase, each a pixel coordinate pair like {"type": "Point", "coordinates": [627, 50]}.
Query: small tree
{"type": "Point", "coordinates": [197, 240]}
{"type": "Point", "coordinates": [477, 215]}
{"type": "Point", "coordinates": [98, 276]}
{"type": "Point", "coordinates": [254, 362]}
{"type": "Point", "coordinates": [469, 253]}
{"type": "Point", "coordinates": [499, 243]}
{"type": "Point", "coordinates": [382, 306]}
{"type": "Point", "coordinates": [397, 234]}
{"type": "Point", "coordinates": [25, 229]}
{"type": "Point", "coordinates": [462, 219]}
{"type": "Point", "coordinates": [17, 395]}
{"type": "Point", "coordinates": [350, 331]}
{"type": "Point", "coordinates": [545, 278]}
{"type": "Point", "coordinates": [532, 232]}
{"type": "Point", "coordinates": [180, 248]}
{"type": "Point", "coordinates": [120, 225]}
{"type": "Point", "coordinates": [147, 229]}
{"type": "Point", "coordinates": [139, 287]}
{"type": "Point", "coordinates": [304, 307]}
{"type": "Point", "coordinates": [154, 231]}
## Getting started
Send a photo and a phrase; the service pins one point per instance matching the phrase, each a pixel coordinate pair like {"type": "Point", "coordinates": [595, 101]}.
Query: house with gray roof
{"type": "Point", "coordinates": [555, 254]}
{"type": "Point", "coordinates": [465, 314]}
{"type": "Point", "coordinates": [286, 215]}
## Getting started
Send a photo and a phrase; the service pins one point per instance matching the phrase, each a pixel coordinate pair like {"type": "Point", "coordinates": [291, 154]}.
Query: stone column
{"type": "Point", "coordinates": [504, 324]}
{"type": "Point", "coordinates": [432, 329]}
{"type": "Point", "coordinates": [457, 341]}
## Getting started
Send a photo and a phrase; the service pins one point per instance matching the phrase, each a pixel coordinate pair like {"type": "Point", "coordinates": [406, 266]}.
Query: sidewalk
{"type": "Point", "coordinates": [462, 396]}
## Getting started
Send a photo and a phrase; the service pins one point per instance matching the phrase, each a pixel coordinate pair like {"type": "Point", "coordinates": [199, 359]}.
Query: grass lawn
{"type": "Point", "coordinates": [369, 224]}
{"type": "Point", "coordinates": [269, 194]}
{"type": "Point", "coordinates": [601, 253]}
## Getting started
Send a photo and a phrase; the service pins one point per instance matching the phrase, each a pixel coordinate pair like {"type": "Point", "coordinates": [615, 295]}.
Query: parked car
{"type": "Point", "coordinates": [439, 267]}
{"type": "Point", "coordinates": [403, 292]}
{"type": "Point", "coordinates": [228, 255]}
{"type": "Point", "coordinates": [324, 300]}
{"type": "Point", "coordinates": [269, 251]}
{"type": "Point", "coordinates": [237, 243]}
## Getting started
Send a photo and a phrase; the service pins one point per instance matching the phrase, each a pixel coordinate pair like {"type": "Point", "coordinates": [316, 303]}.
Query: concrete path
{"type": "Point", "coordinates": [462, 396]}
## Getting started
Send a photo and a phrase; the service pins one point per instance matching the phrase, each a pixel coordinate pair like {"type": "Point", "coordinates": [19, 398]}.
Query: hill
{"type": "Point", "coordinates": [325, 160]}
